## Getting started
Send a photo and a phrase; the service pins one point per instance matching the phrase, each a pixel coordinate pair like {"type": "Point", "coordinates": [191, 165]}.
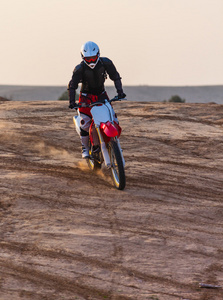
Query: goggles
{"type": "Point", "coordinates": [91, 59]}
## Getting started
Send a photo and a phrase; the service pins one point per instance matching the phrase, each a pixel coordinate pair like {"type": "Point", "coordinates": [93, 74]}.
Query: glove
{"type": "Point", "coordinates": [121, 95]}
{"type": "Point", "coordinates": [73, 105]}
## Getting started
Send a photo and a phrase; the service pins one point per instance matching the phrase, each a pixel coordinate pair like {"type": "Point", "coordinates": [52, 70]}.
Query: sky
{"type": "Point", "coordinates": [151, 42]}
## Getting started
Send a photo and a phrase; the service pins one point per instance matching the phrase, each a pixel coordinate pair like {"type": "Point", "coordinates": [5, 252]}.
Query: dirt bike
{"type": "Point", "coordinates": [104, 145]}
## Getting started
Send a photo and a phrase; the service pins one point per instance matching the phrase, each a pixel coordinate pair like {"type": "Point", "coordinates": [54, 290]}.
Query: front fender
{"type": "Point", "coordinates": [109, 129]}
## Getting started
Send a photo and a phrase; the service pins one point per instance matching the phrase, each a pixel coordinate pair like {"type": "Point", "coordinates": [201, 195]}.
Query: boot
{"type": "Point", "coordinates": [85, 146]}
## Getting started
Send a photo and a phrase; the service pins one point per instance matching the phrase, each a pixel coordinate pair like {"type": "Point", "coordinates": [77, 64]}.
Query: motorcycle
{"type": "Point", "coordinates": [104, 145]}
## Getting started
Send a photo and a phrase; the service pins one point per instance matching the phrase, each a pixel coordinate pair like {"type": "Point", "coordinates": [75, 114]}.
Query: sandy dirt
{"type": "Point", "coordinates": [68, 234]}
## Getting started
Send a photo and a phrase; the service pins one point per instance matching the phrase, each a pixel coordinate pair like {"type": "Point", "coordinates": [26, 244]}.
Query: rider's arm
{"type": "Point", "coordinates": [113, 74]}
{"type": "Point", "coordinates": [73, 84]}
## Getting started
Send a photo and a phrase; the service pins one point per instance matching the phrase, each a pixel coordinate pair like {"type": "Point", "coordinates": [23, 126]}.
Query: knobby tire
{"type": "Point", "coordinates": [117, 167]}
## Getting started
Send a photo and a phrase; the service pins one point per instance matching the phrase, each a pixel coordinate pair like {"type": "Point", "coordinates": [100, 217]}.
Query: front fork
{"type": "Point", "coordinates": [104, 149]}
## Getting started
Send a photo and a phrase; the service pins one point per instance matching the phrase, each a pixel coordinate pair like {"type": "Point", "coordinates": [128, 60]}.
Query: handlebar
{"type": "Point", "coordinates": [97, 103]}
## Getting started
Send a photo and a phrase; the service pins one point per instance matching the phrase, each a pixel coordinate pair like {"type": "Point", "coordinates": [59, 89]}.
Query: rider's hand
{"type": "Point", "coordinates": [121, 95]}
{"type": "Point", "coordinates": [73, 105]}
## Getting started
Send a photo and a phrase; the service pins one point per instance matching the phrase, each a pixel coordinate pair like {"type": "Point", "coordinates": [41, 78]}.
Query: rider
{"type": "Point", "coordinates": [91, 72]}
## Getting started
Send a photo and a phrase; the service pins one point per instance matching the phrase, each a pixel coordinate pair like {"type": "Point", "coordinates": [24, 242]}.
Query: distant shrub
{"type": "Point", "coordinates": [176, 99]}
{"type": "Point", "coordinates": [65, 96]}
{"type": "Point", "coordinates": [5, 99]}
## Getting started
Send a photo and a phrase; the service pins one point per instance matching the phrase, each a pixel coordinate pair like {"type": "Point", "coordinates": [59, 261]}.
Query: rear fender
{"type": "Point", "coordinates": [76, 120]}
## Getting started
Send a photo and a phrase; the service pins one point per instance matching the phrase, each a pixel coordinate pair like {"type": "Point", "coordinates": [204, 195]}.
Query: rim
{"type": "Point", "coordinates": [91, 161]}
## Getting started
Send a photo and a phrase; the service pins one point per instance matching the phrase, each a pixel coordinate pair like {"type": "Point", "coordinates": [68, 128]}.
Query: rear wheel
{"type": "Point", "coordinates": [93, 161]}
{"type": "Point", "coordinates": [117, 168]}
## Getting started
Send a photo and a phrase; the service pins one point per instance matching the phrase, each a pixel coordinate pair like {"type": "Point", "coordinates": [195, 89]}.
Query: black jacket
{"type": "Point", "coordinates": [93, 79]}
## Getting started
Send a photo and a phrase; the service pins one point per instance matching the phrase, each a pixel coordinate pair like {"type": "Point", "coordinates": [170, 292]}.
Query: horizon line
{"type": "Point", "coordinates": [124, 85]}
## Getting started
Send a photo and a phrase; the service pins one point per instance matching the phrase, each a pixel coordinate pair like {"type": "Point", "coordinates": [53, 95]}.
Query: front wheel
{"type": "Point", "coordinates": [117, 168]}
